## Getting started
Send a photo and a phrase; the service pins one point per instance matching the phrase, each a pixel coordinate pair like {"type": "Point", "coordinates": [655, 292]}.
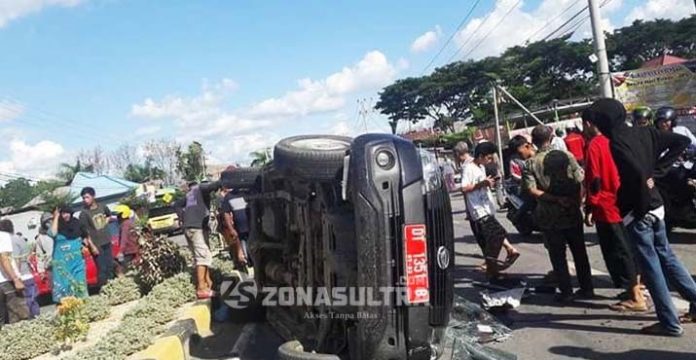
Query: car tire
{"type": "Point", "coordinates": [318, 157]}
{"type": "Point", "coordinates": [240, 178]}
{"type": "Point", "coordinates": [293, 350]}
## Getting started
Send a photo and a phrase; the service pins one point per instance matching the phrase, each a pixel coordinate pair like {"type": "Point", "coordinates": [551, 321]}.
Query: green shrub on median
{"type": "Point", "coordinates": [141, 324]}
{"type": "Point", "coordinates": [96, 308]}
{"type": "Point", "coordinates": [121, 290]}
{"type": "Point", "coordinates": [27, 339]}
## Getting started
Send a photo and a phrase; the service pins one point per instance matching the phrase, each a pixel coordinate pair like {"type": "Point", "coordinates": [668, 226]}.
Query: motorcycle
{"type": "Point", "coordinates": [523, 222]}
{"type": "Point", "coordinates": [678, 190]}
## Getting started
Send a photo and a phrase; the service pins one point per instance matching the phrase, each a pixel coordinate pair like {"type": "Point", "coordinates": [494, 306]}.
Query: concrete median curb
{"type": "Point", "coordinates": [194, 322]}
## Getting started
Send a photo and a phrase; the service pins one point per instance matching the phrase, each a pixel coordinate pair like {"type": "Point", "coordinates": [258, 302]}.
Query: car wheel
{"type": "Point", "coordinates": [293, 350]}
{"type": "Point", "coordinates": [240, 178]}
{"type": "Point", "coordinates": [317, 157]}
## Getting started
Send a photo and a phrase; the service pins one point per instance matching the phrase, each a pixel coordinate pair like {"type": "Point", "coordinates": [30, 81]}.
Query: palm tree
{"type": "Point", "coordinates": [67, 171]}
{"type": "Point", "coordinates": [260, 157]}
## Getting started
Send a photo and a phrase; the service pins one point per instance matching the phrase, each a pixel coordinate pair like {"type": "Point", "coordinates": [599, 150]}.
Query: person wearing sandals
{"type": "Point", "coordinates": [642, 154]}
{"type": "Point", "coordinates": [554, 179]}
{"type": "Point", "coordinates": [194, 209]}
{"type": "Point", "coordinates": [234, 223]}
{"type": "Point", "coordinates": [602, 183]}
{"type": "Point", "coordinates": [480, 205]}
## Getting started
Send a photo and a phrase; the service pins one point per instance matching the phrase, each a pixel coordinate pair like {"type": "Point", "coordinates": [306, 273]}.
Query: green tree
{"type": "Point", "coordinates": [142, 173]}
{"type": "Point", "coordinates": [16, 193]}
{"type": "Point", "coordinates": [536, 74]}
{"type": "Point", "coordinates": [191, 163]}
{"type": "Point", "coordinates": [631, 46]}
{"type": "Point", "coordinates": [402, 101]}
{"type": "Point", "coordinates": [68, 171]}
{"type": "Point", "coordinates": [260, 157]}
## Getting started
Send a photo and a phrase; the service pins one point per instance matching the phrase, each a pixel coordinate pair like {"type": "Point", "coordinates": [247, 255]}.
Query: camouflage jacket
{"type": "Point", "coordinates": [555, 172]}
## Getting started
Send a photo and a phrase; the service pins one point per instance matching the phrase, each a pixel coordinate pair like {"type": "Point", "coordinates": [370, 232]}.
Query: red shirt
{"type": "Point", "coordinates": [128, 238]}
{"type": "Point", "coordinates": [602, 181]}
{"type": "Point", "coordinates": [576, 145]}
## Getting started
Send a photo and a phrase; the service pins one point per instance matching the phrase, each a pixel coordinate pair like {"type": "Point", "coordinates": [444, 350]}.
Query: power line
{"type": "Point", "coordinates": [574, 27]}
{"type": "Point", "coordinates": [444, 46]}
{"type": "Point", "coordinates": [493, 29]}
{"type": "Point", "coordinates": [566, 23]}
{"type": "Point", "coordinates": [470, 37]}
{"type": "Point", "coordinates": [42, 119]}
{"type": "Point", "coordinates": [551, 21]}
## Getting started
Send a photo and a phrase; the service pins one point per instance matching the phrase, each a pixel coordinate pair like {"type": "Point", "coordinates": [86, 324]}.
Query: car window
{"type": "Point", "coordinates": [162, 211]}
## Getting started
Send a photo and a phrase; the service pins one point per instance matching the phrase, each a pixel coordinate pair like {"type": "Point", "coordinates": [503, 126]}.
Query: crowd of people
{"type": "Point", "coordinates": [106, 240]}
{"type": "Point", "coordinates": [59, 255]}
{"type": "Point", "coordinates": [602, 176]}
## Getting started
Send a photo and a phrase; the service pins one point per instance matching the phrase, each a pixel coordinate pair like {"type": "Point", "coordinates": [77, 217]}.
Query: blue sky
{"type": "Point", "coordinates": [235, 75]}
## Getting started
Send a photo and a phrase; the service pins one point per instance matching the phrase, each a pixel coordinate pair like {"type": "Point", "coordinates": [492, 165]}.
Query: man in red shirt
{"type": "Point", "coordinates": [602, 183]}
{"type": "Point", "coordinates": [575, 143]}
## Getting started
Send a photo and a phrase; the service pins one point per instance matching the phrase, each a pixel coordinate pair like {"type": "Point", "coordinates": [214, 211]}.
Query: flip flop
{"type": "Point", "coordinates": [204, 294]}
{"type": "Point", "coordinates": [687, 319]}
{"type": "Point", "coordinates": [512, 258]}
{"type": "Point", "coordinates": [658, 330]}
{"type": "Point", "coordinates": [628, 306]}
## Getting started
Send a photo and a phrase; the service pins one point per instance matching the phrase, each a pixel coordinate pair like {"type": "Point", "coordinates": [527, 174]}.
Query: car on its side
{"type": "Point", "coordinates": [367, 214]}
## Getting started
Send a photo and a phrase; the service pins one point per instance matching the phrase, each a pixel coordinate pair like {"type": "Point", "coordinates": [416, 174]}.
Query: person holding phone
{"type": "Point", "coordinates": [476, 187]}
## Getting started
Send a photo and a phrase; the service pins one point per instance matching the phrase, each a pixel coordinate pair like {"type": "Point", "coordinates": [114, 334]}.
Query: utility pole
{"type": "Point", "coordinates": [497, 124]}
{"type": "Point", "coordinates": [600, 50]}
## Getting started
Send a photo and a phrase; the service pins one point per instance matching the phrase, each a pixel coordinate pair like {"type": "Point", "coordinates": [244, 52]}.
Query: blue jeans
{"type": "Point", "coordinates": [30, 293]}
{"type": "Point", "coordinates": [659, 266]}
{"type": "Point", "coordinates": [105, 264]}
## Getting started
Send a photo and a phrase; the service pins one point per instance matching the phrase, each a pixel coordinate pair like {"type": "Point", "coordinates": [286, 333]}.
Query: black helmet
{"type": "Point", "coordinates": [666, 113]}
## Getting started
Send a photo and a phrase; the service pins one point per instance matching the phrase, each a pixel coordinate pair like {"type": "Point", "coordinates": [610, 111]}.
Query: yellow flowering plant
{"type": "Point", "coordinates": [70, 322]}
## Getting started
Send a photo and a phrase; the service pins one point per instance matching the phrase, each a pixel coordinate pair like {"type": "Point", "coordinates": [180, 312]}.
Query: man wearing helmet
{"type": "Point", "coordinates": [129, 249]}
{"type": "Point", "coordinates": [642, 116]}
{"type": "Point", "coordinates": [666, 120]}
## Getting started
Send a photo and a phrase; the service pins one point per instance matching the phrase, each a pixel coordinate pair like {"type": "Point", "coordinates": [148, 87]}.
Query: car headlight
{"type": "Point", "coordinates": [385, 159]}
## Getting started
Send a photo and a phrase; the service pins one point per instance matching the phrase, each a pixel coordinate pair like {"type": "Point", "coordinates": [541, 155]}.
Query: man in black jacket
{"type": "Point", "coordinates": [642, 154]}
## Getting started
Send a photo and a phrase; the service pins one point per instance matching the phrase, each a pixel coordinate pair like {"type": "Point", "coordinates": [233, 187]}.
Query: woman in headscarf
{"type": "Point", "coordinates": [69, 274]}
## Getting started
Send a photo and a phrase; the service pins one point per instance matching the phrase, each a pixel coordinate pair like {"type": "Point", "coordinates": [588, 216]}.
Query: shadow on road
{"type": "Point", "coordinates": [589, 354]}
{"type": "Point", "coordinates": [244, 335]}
{"type": "Point", "coordinates": [677, 237]}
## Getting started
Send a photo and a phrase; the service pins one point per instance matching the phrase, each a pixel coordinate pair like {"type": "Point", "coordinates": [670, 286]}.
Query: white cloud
{"type": "Point", "coordinates": [231, 134]}
{"type": "Point", "coordinates": [316, 96]}
{"type": "Point", "coordinates": [341, 128]}
{"type": "Point", "coordinates": [34, 160]}
{"type": "Point", "coordinates": [10, 110]}
{"type": "Point", "coordinates": [661, 9]}
{"type": "Point", "coordinates": [14, 9]}
{"type": "Point", "coordinates": [427, 40]}
{"type": "Point", "coordinates": [521, 25]}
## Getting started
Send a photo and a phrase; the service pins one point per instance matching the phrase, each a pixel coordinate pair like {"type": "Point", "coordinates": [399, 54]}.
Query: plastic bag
{"type": "Point", "coordinates": [469, 327]}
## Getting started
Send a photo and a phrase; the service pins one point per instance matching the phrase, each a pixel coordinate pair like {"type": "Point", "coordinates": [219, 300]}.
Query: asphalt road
{"type": "Point", "coordinates": [542, 329]}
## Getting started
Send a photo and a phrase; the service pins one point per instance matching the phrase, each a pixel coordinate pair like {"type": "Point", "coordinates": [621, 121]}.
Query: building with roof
{"type": "Point", "coordinates": [108, 189]}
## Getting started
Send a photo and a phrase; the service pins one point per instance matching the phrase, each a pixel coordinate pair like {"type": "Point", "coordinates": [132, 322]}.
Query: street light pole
{"type": "Point", "coordinates": [600, 50]}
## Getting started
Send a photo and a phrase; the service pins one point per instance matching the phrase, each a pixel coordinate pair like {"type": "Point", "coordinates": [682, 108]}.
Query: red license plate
{"type": "Point", "coordinates": [416, 254]}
